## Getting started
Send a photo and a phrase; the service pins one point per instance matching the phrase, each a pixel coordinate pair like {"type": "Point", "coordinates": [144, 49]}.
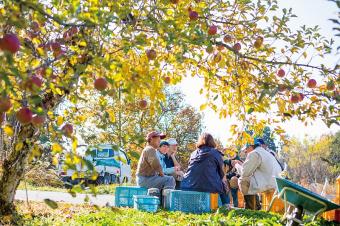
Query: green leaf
{"type": "Point", "coordinates": [250, 110]}
{"type": "Point", "coordinates": [51, 203]}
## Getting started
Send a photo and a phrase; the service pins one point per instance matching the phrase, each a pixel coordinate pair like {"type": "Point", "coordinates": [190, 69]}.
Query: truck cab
{"type": "Point", "coordinates": [109, 161]}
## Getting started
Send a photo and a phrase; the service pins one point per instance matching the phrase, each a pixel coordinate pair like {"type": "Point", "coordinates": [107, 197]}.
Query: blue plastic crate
{"type": "Point", "coordinates": [146, 203]}
{"type": "Point", "coordinates": [190, 201]}
{"type": "Point", "coordinates": [124, 195]}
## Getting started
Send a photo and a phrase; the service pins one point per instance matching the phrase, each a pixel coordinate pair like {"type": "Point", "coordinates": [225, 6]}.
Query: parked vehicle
{"type": "Point", "coordinates": [109, 161]}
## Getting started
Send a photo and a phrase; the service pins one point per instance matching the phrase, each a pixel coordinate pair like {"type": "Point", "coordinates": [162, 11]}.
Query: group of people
{"type": "Point", "coordinates": [208, 171]}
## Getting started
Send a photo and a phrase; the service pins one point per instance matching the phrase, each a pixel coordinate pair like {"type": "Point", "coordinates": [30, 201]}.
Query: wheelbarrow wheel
{"type": "Point", "coordinates": [295, 217]}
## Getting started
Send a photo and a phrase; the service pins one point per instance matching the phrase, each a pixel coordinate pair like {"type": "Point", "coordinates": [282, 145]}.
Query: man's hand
{"type": "Point", "coordinates": [179, 173]}
{"type": "Point", "coordinates": [177, 168]}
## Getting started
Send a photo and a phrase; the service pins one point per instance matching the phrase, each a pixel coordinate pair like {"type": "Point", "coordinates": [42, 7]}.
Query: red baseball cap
{"type": "Point", "coordinates": [155, 134]}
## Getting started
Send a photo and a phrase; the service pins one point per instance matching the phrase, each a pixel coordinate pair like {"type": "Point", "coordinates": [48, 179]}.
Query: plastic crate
{"type": "Point", "coordinates": [278, 205]}
{"type": "Point", "coordinates": [190, 201]}
{"type": "Point", "coordinates": [124, 195]}
{"type": "Point", "coordinates": [146, 203]}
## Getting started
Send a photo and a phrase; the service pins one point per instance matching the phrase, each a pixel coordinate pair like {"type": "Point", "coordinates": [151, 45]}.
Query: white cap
{"type": "Point", "coordinates": [172, 141]}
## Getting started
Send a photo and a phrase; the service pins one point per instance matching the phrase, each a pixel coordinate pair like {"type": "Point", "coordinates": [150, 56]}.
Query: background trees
{"type": "Point", "coordinates": [313, 161]}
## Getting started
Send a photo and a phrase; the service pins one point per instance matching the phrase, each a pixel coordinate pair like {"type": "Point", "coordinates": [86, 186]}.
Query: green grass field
{"type": "Point", "coordinates": [67, 214]}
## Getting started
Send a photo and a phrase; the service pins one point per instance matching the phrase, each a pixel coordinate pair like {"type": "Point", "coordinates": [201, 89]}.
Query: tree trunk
{"type": "Point", "coordinates": [13, 170]}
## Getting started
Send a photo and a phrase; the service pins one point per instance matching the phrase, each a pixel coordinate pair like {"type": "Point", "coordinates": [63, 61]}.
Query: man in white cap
{"type": "Point", "coordinates": [171, 161]}
{"type": "Point", "coordinates": [149, 170]}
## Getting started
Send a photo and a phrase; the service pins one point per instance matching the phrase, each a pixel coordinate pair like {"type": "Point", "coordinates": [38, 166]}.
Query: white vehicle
{"type": "Point", "coordinates": [109, 161]}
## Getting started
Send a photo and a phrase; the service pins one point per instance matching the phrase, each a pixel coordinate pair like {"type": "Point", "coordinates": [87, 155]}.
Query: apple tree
{"type": "Point", "coordinates": [251, 62]}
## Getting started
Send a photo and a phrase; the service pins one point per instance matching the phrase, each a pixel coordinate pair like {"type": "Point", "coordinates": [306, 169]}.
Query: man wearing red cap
{"type": "Point", "coordinates": [149, 170]}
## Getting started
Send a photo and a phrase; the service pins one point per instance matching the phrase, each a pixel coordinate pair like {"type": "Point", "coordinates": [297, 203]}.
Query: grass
{"type": "Point", "coordinates": [67, 214]}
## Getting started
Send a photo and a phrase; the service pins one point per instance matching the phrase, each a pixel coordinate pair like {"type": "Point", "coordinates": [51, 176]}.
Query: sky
{"type": "Point", "coordinates": [310, 13]}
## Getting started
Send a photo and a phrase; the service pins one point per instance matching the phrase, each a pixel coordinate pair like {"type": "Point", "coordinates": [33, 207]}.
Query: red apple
{"type": "Point", "coordinates": [5, 104]}
{"type": "Point", "coordinates": [24, 115]}
{"type": "Point", "coordinates": [55, 46]}
{"type": "Point", "coordinates": [220, 47]}
{"type": "Point", "coordinates": [294, 98]}
{"type": "Point", "coordinates": [34, 83]}
{"type": "Point", "coordinates": [212, 30]}
{"type": "Point", "coordinates": [151, 54]}
{"type": "Point", "coordinates": [330, 85]}
{"type": "Point", "coordinates": [281, 73]}
{"type": "Point", "coordinates": [2, 117]}
{"type": "Point", "coordinates": [100, 84]}
{"type": "Point", "coordinates": [67, 129]}
{"type": "Point", "coordinates": [301, 96]}
{"type": "Point", "coordinates": [143, 104]}
{"type": "Point", "coordinates": [193, 15]}
{"type": "Point", "coordinates": [166, 79]}
{"type": "Point", "coordinates": [237, 47]}
{"type": "Point", "coordinates": [227, 38]}
{"type": "Point", "coordinates": [38, 120]}
{"type": "Point", "coordinates": [10, 43]}
{"type": "Point", "coordinates": [311, 83]}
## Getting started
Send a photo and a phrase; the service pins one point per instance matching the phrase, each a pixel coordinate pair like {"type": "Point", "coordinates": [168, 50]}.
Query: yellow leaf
{"type": "Point", "coordinates": [74, 145]}
{"type": "Point", "coordinates": [19, 146]}
{"type": "Point", "coordinates": [35, 63]}
{"type": "Point", "coordinates": [203, 106]}
{"type": "Point", "coordinates": [305, 55]}
{"type": "Point", "coordinates": [55, 160]}
{"type": "Point", "coordinates": [82, 43]}
{"type": "Point", "coordinates": [60, 120]}
{"type": "Point", "coordinates": [75, 175]}
{"type": "Point", "coordinates": [56, 148]}
{"type": "Point", "coordinates": [281, 105]}
{"type": "Point", "coordinates": [9, 131]}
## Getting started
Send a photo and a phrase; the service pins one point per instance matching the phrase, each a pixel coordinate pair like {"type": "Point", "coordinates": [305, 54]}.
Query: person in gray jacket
{"type": "Point", "coordinates": [257, 174]}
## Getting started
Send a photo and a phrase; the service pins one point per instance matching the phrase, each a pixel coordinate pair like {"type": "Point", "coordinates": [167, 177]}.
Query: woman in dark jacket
{"type": "Point", "coordinates": [205, 172]}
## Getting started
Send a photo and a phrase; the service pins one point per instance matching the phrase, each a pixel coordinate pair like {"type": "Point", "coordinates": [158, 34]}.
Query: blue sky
{"type": "Point", "coordinates": [310, 13]}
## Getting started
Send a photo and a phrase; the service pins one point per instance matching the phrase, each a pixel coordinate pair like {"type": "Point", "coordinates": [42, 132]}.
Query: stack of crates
{"type": "Point", "coordinates": [124, 195]}
{"type": "Point", "coordinates": [189, 201]}
{"type": "Point", "coordinates": [278, 205]}
{"type": "Point", "coordinates": [334, 215]}
{"type": "Point", "coordinates": [146, 203]}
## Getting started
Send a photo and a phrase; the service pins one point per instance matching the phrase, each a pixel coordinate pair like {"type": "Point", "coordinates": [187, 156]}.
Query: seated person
{"type": "Point", "coordinates": [232, 177]}
{"type": "Point", "coordinates": [205, 171]}
{"type": "Point", "coordinates": [149, 170]}
{"type": "Point", "coordinates": [161, 153]}
{"type": "Point", "coordinates": [171, 161]}
{"type": "Point", "coordinates": [257, 174]}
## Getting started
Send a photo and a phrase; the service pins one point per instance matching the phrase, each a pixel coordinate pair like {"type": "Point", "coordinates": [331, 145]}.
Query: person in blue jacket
{"type": "Point", "coordinates": [205, 171]}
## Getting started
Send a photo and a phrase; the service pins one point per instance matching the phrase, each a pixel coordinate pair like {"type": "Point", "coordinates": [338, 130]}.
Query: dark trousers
{"type": "Point", "coordinates": [225, 198]}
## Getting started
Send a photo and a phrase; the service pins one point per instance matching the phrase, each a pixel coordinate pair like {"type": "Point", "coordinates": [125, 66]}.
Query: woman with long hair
{"type": "Point", "coordinates": [205, 171]}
